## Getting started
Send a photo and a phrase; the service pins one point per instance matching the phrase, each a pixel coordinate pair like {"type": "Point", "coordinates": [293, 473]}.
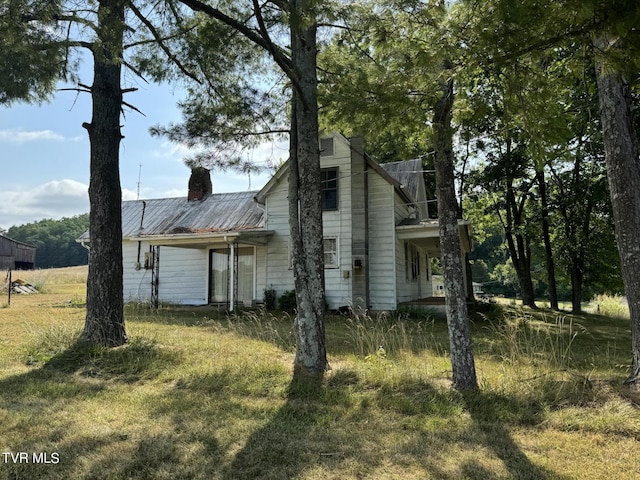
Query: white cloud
{"type": "Point", "coordinates": [174, 192]}
{"type": "Point", "coordinates": [22, 136]}
{"type": "Point", "coordinates": [129, 194]}
{"type": "Point", "coordinates": [54, 199]}
{"type": "Point", "coordinates": [174, 151]}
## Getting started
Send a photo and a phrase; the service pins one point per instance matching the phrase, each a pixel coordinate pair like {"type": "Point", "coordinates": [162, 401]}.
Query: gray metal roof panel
{"type": "Point", "coordinates": [220, 212]}
{"type": "Point", "coordinates": [408, 173]}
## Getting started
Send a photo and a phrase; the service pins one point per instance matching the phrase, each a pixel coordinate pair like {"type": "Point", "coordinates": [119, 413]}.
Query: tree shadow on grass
{"type": "Point", "coordinates": [491, 413]}
{"type": "Point", "coordinates": [140, 359]}
{"type": "Point", "coordinates": [319, 429]}
{"type": "Point", "coordinates": [438, 432]}
{"type": "Point", "coordinates": [301, 435]}
{"type": "Point", "coordinates": [39, 418]}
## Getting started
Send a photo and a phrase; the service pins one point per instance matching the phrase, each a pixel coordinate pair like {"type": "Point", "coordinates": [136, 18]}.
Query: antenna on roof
{"type": "Point", "coordinates": [139, 174]}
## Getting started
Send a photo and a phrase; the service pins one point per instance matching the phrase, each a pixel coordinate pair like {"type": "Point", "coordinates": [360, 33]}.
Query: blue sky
{"type": "Point", "coordinates": [44, 153]}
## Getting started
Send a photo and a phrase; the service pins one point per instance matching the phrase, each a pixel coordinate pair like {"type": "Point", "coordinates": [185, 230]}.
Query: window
{"type": "Point", "coordinates": [329, 180]}
{"type": "Point", "coordinates": [326, 147]}
{"type": "Point", "coordinates": [330, 246]}
{"type": "Point", "coordinates": [411, 262]}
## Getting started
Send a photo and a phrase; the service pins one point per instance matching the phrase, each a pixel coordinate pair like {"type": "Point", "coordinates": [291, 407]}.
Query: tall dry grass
{"type": "Point", "coordinates": [201, 395]}
{"type": "Point", "coordinates": [613, 306]}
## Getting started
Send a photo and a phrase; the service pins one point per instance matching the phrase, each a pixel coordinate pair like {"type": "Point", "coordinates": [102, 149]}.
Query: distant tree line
{"type": "Point", "coordinates": [55, 240]}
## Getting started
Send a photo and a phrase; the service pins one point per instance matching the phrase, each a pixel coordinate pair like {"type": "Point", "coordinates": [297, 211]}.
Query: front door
{"type": "Point", "coordinates": [223, 283]}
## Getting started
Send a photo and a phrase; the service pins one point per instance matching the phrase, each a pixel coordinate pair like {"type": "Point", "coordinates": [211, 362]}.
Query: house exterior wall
{"type": "Point", "coordinates": [260, 275]}
{"type": "Point", "coordinates": [184, 275]}
{"type": "Point", "coordinates": [136, 281]}
{"type": "Point", "coordinates": [382, 245]}
{"type": "Point", "coordinates": [336, 224]}
{"type": "Point", "coordinates": [359, 228]}
{"type": "Point", "coordinates": [364, 226]}
{"type": "Point", "coordinates": [278, 275]}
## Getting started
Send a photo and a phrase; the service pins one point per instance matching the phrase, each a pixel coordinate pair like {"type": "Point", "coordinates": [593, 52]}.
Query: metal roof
{"type": "Point", "coordinates": [408, 173]}
{"type": "Point", "coordinates": [215, 213]}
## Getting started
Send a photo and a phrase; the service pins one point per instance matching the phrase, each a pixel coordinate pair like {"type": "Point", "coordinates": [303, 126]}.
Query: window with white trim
{"type": "Point", "coordinates": [330, 246]}
{"type": "Point", "coordinates": [329, 183]}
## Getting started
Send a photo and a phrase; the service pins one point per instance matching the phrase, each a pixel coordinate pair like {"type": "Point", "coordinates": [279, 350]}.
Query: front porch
{"type": "Point", "coordinates": [437, 304]}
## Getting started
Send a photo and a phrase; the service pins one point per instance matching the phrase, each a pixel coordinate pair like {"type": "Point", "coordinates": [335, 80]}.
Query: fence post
{"type": "Point", "coordinates": [9, 292]}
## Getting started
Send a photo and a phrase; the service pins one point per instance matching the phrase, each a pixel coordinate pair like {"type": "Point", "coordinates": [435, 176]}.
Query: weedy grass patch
{"type": "Point", "coordinates": [199, 394]}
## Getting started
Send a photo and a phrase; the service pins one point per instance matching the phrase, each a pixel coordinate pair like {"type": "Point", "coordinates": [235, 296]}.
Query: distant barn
{"type": "Point", "coordinates": [16, 255]}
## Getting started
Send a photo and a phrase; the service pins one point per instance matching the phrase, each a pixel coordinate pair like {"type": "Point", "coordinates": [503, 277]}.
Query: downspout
{"type": "Point", "coordinates": [144, 206]}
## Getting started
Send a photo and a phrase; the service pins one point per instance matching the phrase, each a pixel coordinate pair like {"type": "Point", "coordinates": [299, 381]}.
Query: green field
{"type": "Point", "coordinates": [198, 395]}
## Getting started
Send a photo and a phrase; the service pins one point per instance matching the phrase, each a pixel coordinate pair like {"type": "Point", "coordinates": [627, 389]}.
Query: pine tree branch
{"type": "Point", "coordinates": [277, 55]}
{"type": "Point", "coordinates": [281, 58]}
{"type": "Point", "coordinates": [135, 70]}
{"type": "Point", "coordinates": [162, 45]}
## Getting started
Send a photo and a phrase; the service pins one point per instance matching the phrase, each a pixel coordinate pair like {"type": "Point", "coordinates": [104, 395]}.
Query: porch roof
{"type": "Point", "coordinates": [207, 239]}
{"type": "Point", "coordinates": [426, 234]}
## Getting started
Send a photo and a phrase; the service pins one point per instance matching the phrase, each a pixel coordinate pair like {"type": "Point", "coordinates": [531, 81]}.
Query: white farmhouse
{"type": "Point", "coordinates": [227, 248]}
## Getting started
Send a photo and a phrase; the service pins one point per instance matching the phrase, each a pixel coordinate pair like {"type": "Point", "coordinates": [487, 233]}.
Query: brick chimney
{"type": "Point", "coordinates": [199, 184]}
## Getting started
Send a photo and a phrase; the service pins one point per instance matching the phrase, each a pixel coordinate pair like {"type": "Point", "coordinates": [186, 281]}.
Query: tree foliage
{"type": "Point", "coordinates": [55, 240]}
{"type": "Point", "coordinates": [35, 54]}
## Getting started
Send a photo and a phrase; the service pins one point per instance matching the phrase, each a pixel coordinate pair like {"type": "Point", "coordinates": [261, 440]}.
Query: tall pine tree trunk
{"type": "Point", "coordinates": [623, 173]}
{"type": "Point", "coordinates": [305, 206]}
{"type": "Point", "coordinates": [104, 323]}
{"type": "Point", "coordinates": [462, 361]}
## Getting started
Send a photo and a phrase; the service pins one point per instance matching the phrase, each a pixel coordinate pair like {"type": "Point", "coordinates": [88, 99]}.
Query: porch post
{"type": "Point", "coordinates": [232, 275]}
{"type": "Point", "coordinates": [465, 276]}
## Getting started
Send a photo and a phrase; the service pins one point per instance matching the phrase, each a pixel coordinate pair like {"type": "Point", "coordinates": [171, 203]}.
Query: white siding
{"type": "Point", "coordinates": [382, 285]}
{"type": "Point", "coordinates": [336, 224]}
{"type": "Point", "coordinates": [277, 273]}
{"type": "Point", "coordinates": [183, 275]}
{"type": "Point", "coordinates": [136, 281]}
{"type": "Point", "coordinates": [260, 272]}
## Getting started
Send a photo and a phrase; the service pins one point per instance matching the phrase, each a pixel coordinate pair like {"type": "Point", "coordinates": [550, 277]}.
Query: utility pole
{"type": "Point", "coordinates": [139, 175]}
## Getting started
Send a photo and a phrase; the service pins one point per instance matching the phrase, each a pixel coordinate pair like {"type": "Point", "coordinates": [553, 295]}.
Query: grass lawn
{"type": "Point", "coordinates": [198, 395]}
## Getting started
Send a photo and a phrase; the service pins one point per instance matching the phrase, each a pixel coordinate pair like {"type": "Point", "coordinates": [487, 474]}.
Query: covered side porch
{"type": "Point", "coordinates": [232, 275]}
{"type": "Point", "coordinates": [425, 235]}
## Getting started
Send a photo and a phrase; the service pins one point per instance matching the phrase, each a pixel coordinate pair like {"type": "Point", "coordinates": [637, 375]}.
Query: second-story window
{"type": "Point", "coordinates": [329, 179]}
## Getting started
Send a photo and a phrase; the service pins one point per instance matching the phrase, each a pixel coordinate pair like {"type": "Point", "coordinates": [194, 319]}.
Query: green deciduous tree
{"type": "Point", "coordinates": [503, 29]}
{"type": "Point", "coordinates": [390, 76]}
{"type": "Point", "coordinates": [55, 240]}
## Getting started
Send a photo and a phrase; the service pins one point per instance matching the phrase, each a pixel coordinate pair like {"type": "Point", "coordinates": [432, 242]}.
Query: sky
{"type": "Point", "coordinates": [44, 153]}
